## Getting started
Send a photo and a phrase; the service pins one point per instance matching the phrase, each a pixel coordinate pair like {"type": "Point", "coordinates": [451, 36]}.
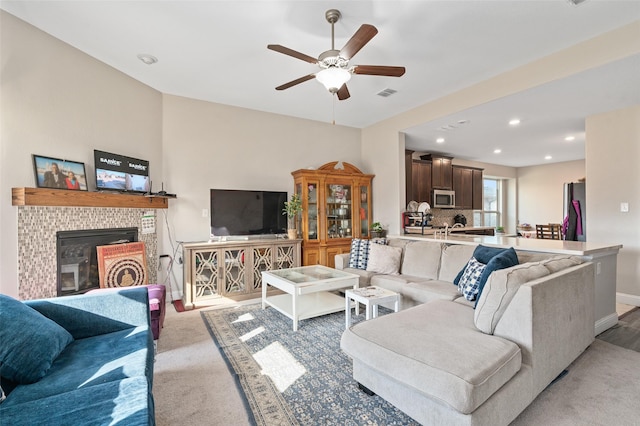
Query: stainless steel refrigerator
{"type": "Point", "coordinates": [574, 212]}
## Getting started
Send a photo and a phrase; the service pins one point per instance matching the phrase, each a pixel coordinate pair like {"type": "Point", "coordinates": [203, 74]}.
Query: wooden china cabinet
{"type": "Point", "coordinates": [336, 207]}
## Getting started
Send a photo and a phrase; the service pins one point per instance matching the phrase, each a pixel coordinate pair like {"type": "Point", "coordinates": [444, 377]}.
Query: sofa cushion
{"type": "Point", "coordinates": [505, 259]}
{"type": "Point", "coordinates": [426, 291]}
{"type": "Point", "coordinates": [124, 402]}
{"type": "Point", "coordinates": [470, 281]}
{"type": "Point", "coordinates": [92, 361]}
{"type": "Point", "coordinates": [560, 262]}
{"type": "Point", "coordinates": [499, 290]}
{"type": "Point", "coordinates": [456, 364]}
{"type": "Point", "coordinates": [453, 260]}
{"type": "Point", "coordinates": [422, 259]}
{"type": "Point", "coordinates": [30, 341]}
{"type": "Point", "coordinates": [384, 259]}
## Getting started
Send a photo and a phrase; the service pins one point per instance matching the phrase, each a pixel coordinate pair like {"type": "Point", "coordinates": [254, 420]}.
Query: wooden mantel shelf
{"type": "Point", "coordinates": [62, 197]}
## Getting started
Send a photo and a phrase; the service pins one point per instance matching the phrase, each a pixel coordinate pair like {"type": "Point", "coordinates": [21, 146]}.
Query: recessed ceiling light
{"type": "Point", "coordinates": [147, 59]}
{"type": "Point", "coordinates": [440, 140]}
{"type": "Point", "coordinates": [497, 151]}
{"type": "Point", "coordinates": [570, 138]}
{"type": "Point", "coordinates": [463, 121]}
{"type": "Point", "coordinates": [514, 122]}
{"type": "Point", "coordinates": [548, 157]}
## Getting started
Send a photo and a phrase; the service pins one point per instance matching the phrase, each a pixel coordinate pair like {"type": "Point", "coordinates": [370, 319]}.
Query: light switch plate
{"type": "Point", "coordinates": [624, 207]}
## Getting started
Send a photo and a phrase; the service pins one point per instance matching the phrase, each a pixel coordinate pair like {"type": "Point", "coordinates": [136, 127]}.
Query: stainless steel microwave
{"type": "Point", "coordinates": [444, 199]}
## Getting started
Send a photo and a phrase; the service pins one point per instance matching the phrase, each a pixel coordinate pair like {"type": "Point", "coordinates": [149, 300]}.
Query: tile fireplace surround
{"type": "Point", "coordinates": [37, 227]}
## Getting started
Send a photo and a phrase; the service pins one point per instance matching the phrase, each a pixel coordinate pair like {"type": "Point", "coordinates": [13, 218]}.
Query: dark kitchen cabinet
{"type": "Point", "coordinates": [478, 188]}
{"type": "Point", "coordinates": [421, 181]}
{"type": "Point", "coordinates": [467, 183]}
{"type": "Point", "coordinates": [441, 171]}
{"type": "Point", "coordinates": [463, 187]}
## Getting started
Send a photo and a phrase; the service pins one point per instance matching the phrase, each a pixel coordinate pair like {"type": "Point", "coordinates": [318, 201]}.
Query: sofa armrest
{"type": "Point", "coordinates": [97, 313]}
{"type": "Point", "coordinates": [552, 320]}
{"type": "Point", "coordinates": [342, 261]}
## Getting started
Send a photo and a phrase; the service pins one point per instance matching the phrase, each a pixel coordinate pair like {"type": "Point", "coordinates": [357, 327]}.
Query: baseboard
{"type": "Point", "coordinates": [605, 323]}
{"type": "Point", "coordinates": [628, 299]}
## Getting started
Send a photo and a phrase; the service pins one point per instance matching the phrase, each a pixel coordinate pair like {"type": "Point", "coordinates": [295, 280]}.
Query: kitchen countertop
{"type": "Point", "coordinates": [431, 231]}
{"type": "Point", "coordinates": [576, 248]}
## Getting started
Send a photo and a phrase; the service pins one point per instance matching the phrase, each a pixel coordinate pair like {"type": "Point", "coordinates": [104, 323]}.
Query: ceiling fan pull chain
{"type": "Point", "coordinates": [333, 113]}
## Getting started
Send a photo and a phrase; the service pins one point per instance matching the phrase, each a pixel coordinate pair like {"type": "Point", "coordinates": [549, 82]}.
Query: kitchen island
{"type": "Point", "coordinates": [603, 255]}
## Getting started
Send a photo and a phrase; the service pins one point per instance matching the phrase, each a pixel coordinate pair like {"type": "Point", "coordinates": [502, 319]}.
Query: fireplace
{"type": "Point", "coordinates": [37, 230]}
{"type": "Point", "coordinates": [76, 259]}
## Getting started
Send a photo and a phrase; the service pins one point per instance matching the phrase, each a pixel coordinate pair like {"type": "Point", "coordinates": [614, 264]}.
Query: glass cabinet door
{"type": "Point", "coordinates": [339, 214]}
{"type": "Point", "coordinates": [363, 214]}
{"type": "Point", "coordinates": [311, 210]}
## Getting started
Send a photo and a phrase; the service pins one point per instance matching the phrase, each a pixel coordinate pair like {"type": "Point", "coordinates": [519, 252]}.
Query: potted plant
{"type": "Point", "coordinates": [291, 209]}
{"type": "Point", "coordinates": [376, 230]}
{"type": "Point", "coordinates": [499, 229]}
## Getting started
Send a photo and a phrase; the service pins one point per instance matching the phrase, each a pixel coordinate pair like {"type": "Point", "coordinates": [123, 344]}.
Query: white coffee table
{"type": "Point", "coordinates": [307, 291]}
{"type": "Point", "coordinates": [371, 297]}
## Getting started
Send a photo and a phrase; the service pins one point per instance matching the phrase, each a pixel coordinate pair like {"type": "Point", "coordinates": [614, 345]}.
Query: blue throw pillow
{"type": "Point", "coordinates": [482, 254]}
{"type": "Point", "coordinates": [505, 259]}
{"type": "Point", "coordinates": [30, 341]}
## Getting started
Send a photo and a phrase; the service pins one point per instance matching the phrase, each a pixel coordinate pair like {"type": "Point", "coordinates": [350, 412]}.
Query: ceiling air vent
{"type": "Point", "coordinates": [386, 93]}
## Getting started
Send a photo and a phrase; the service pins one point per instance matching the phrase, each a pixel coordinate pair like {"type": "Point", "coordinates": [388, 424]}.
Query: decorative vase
{"type": "Point", "coordinates": [292, 234]}
{"type": "Point", "coordinates": [377, 234]}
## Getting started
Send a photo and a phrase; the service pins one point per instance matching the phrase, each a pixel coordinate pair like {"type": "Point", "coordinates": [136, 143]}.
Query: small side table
{"type": "Point", "coordinates": [371, 297]}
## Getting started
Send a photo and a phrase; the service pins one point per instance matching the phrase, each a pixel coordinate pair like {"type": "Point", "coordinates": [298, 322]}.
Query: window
{"type": "Point", "coordinates": [490, 215]}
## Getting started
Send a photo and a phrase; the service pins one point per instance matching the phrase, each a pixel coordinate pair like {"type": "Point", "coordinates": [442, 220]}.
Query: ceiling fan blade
{"type": "Point", "coordinates": [296, 81]}
{"type": "Point", "coordinates": [365, 33]}
{"type": "Point", "coordinates": [343, 93]}
{"type": "Point", "coordinates": [379, 70]}
{"type": "Point", "coordinates": [293, 53]}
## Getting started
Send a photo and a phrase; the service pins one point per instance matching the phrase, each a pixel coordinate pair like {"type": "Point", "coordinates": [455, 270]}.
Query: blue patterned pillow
{"type": "Point", "coordinates": [469, 283]}
{"type": "Point", "coordinates": [359, 255]}
{"type": "Point", "coordinates": [30, 341]}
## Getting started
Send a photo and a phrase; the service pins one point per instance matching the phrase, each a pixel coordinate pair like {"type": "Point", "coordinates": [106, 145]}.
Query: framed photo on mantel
{"type": "Point", "coordinates": [57, 173]}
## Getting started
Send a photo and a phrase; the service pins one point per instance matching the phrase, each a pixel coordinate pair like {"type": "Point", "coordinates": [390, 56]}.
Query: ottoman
{"type": "Point", "coordinates": [157, 300]}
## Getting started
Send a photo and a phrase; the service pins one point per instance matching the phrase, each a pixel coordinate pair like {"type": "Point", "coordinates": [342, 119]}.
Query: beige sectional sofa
{"type": "Point", "coordinates": [443, 362]}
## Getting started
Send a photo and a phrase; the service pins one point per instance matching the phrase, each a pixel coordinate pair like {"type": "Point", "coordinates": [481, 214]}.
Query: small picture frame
{"type": "Point", "coordinates": [57, 173]}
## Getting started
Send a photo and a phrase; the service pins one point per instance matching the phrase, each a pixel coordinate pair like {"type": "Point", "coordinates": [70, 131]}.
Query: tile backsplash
{"type": "Point", "coordinates": [37, 227]}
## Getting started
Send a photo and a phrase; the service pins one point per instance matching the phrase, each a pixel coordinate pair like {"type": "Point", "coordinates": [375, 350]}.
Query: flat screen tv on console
{"type": "Point", "coordinates": [247, 213]}
{"type": "Point", "coordinates": [116, 172]}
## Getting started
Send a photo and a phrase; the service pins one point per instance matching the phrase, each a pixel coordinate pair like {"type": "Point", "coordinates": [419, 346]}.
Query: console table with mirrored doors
{"type": "Point", "coordinates": [232, 269]}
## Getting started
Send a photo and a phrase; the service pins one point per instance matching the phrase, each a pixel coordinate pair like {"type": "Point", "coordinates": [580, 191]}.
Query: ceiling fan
{"type": "Point", "coordinates": [335, 70]}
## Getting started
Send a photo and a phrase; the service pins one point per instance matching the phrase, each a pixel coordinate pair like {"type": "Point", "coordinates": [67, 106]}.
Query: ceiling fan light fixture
{"type": "Point", "coordinates": [333, 78]}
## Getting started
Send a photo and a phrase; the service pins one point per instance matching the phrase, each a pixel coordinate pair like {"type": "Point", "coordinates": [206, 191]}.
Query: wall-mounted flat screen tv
{"type": "Point", "coordinates": [245, 212]}
{"type": "Point", "coordinates": [116, 172]}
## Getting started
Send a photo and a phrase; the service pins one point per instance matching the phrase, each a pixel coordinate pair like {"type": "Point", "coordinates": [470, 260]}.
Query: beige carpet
{"type": "Point", "coordinates": [192, 385]}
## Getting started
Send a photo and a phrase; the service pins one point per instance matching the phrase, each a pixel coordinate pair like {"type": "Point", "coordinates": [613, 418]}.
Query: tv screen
{"type": "Point", "coordinates": [243, 212]}
{"type": "Point", "coordinates": [116, 172]}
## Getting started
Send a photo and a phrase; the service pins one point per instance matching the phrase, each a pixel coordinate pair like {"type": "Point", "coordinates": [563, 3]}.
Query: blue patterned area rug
{"type": "Point", "coordinates": [295, 378]}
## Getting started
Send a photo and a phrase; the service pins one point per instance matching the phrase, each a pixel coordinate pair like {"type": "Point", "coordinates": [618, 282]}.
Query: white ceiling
{"type": "Point", "coordinates": [216, 51]}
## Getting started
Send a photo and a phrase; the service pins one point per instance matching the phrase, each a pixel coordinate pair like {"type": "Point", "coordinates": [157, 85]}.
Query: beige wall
{"type": "Point", "coordinates": [613, 177]}
{"type": "Point", "coordinates": [207, 145]}
{"type": "Point", "coordinates": [57, 101]}
{"type": "Point", "coordinates": [540, 191]}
